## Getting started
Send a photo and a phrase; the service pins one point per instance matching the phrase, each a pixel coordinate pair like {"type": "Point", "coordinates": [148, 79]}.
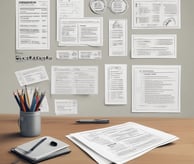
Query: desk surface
{"type": "Point", "coordinates": [182, 151]}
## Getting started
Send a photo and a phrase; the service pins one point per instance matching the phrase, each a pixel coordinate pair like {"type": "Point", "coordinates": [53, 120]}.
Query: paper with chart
{"type": "Point", "coordinates": [31, 75]}
{"type": "Point", "coordinates": [115, 84]}
{"type": "Point", "coordinates": [70, 9]}
{"type": "Point", "coordinates": [152, 14]}
{"type": "Point", "coordinates": [154, 46]}
{"type": "Point", "coordinates": [74, 80]}
{"type": "Point", "coordinates": [81, 32]}
{"type": "Point", "coordinates": [120, 143]}
{"type": "Point", "coordinates": [118, 38]}
{"type": "Point", "coordinates": [32, 24]}
{"type": "Point", "coordinates": [156, 88]}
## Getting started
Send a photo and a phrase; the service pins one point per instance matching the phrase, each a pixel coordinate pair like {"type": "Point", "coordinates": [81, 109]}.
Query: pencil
{"type": "Point", "coordinates": [40, 101]}
{"type": "Point", "coordinates": [27, 96]}
{"type": "Point", "coordinates": [21, 96]}
{"type": "Point", "coordinates": [17, 99]}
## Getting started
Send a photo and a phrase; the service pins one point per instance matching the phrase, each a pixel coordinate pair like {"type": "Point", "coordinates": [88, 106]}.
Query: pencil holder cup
{"type": "Point", "coordinates": [30, 123]}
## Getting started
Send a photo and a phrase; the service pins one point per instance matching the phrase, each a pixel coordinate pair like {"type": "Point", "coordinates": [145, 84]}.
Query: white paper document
{"type": "Point", "coordinates": [152, 14]}
{"type": "Point", "coordinates": [90, 54]}
{"type": "Point", "coordinates": [120, 143]}
{"type": "Point", "coordinates": [44, 107]}
{"type": "Point", "coordinates": [115, 84]}
{"type": "Point", "coordinates": [118, 6]}
{"type": "Point", "coordinates": [74, 80]}
{"type": "Point", "coordinates": [31, 75]}
{"type": "Point", "coordinates": [67, 54]}
{"type": "Point", "coordinates": [98, 6]}
{"type": "Point", "coordinates": [69, 9]}
{"type": "Point", "coordinates": [154, 46]}
{"type": "Point", "coordinates": [118, 38]}
{"type": "Point", "coordinates": [65, 107]}
{"type": "Point", "coordinates": [156, 88]}
{"type": "Point", "coordinates": [32, 24]}
{"type": "Point", "coordinates": [81, 32]}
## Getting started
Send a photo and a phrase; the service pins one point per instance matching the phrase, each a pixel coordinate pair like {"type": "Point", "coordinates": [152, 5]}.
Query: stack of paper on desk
{"type": "Point", "coordinates": [41, 149]}
{"type": "Point", "coordinates": [120, 143]}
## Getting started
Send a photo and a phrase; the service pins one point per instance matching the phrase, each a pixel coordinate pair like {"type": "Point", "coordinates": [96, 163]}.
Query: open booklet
{"type": "Point", "coordinates": [120, 143]}
{"type": "Point", "coordinates": [41, 149]}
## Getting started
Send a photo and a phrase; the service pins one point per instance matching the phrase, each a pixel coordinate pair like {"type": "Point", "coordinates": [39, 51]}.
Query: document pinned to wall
{"type": "Point", "coordinates": [32, 24]}
{"type": "Point", "coordinates": [67, 54]}
{"type": "Point", "coordinates": [81, 32]}
{"type": "Point", "coordinates": [115, 84]}
{"type": "Point", "coordinates": [31, 75]}
{"type": "Point", "coordinates": [90, 54]}
{"type": "Point", "coordinates": [118, 6]}
{"type": "Point", "coordinates": [65, 106]}
{"type": "Point", "coordinates": [44, 107]}
{"type": "Point", "coordinates": [152, 14]}
{"type": "Point", "coordinates": [156, 88]}
{"type": "Point", "coordinates": [118, 37]}
{"type": "Point", "coordinates": [98, 6]}
{"type": "Point", "coordinates": [154, 46]}
{"type": "Point", "coordinates": [82, 80]}
{"type": "Point", "coordinates": [69, 9]}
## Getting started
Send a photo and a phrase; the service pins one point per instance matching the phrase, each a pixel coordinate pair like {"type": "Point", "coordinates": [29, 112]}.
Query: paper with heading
{"type": "Point", "coordinates": [31, 75]}
{"type": "Point", "coordinates": [156, 88]}
{"type": "Point", "coordinates": [154, 46]}
{"type": "Point", "coordinates": [152, 14]}
{"type": "Point", "coordinates": [81, 32]}
{"type": "Point", "coordinates": [32, 24]}
{"type": "Point", "coordinates": [69, 9]}
{"type": "Point", "coordinates": [65, 106]}
{"type": "Point", "coordinates": [74, 80]}
{"type": "Point", "coordinates": [115, 84]}
{"type": "Point", "coordinates": [118, 38]}
{"type": "Point", "coordinates": [120, 143]}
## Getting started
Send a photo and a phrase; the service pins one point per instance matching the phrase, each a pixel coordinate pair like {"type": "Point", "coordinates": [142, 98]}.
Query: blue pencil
{"type": "Point", "coordinates": [17, 100]}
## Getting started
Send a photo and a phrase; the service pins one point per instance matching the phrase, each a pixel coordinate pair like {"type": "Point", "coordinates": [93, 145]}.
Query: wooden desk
{"type": "Point", "coordinates": [180, 152]}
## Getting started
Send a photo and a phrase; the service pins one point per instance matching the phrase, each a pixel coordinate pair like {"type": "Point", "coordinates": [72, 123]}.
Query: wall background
{"type": "Point", "coordinates": [93, 105]}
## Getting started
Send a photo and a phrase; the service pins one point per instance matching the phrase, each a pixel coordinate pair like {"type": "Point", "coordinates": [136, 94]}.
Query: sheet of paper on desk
{"type": "Point", "coordinates": [120, 143]}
